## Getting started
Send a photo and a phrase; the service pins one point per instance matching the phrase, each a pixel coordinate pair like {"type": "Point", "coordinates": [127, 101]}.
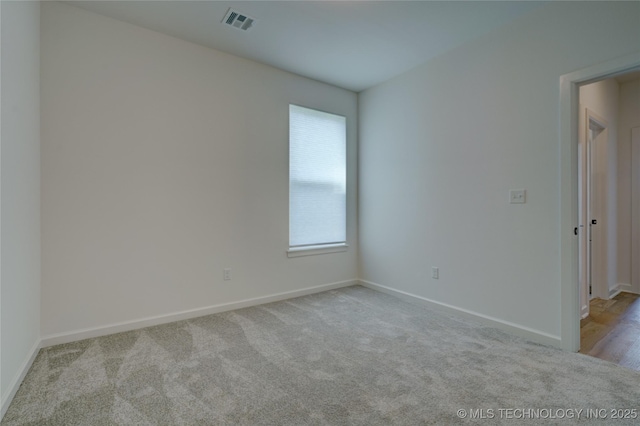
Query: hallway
{"type": "Point", "coordinates": [612, 330]}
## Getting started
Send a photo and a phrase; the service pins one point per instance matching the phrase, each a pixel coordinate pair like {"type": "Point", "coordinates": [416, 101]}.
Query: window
{"type": "Point", "coordinates": [317, 181]}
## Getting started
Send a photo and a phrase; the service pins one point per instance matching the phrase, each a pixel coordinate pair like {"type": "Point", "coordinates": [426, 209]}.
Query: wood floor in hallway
{"type": "Point", "coordinates": [612, 330]}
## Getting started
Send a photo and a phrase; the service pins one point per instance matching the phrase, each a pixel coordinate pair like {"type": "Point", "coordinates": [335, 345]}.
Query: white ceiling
{"type": "Point", "coordinates": [350, 44]}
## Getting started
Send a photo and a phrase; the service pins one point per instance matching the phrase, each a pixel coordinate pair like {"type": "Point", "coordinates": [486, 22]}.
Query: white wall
{"type": "Point", "coordinates": [629, 117]}
{"type": "Point", "coordinates": [601, 98]}
{"type": "Point", "coordinates": [441, 146]}
{"type": "Point", "coordinates": [164, 162]}
{"type": "Point", "coordinates": [20, 192]}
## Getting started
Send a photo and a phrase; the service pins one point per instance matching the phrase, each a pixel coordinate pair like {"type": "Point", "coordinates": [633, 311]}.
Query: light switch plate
{"type": "Point", "coordinates": [517, 196]}
{"type": "Point", "coordinates": [435, 272]}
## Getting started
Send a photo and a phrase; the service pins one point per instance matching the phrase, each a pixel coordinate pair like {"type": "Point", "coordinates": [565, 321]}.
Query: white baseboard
{"type": "Point", "coordinates": [19, 377]}
{"type": "Point", "coordinates": [518, 330]}
{"type": "Point", "coordinates": [626, 287]}
{"type": "Point", "coordinates": [615, 291]}
{"type": "Point", "coordinates": [88, 333]}
{"type": "Point", "coordinates": [584, 312]}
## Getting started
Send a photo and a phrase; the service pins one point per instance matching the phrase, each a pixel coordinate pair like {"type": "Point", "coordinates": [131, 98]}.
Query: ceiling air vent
{"type": "Point", "coordinates": [238, 20]}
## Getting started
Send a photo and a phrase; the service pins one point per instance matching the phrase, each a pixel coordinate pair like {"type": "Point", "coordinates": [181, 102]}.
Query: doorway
{"type": "Point", "coordinates": [569, 189]}
{"type": "Point", "coordinates": [607, 169]}
{"type": "Point", "coordinates": [610, 326]}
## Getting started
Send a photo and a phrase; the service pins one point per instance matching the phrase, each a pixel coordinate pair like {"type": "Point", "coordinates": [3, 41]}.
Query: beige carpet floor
{"type": "Point", "coordinates": [346, 357]}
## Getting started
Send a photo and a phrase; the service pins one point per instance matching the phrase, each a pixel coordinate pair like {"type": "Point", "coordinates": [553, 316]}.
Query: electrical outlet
{"type": "Point", "coordinates": [226, 274]}
{"type": "Point", "coordinates": [517, 196]}
{"type": "Point", "coordinates": [435, 272]}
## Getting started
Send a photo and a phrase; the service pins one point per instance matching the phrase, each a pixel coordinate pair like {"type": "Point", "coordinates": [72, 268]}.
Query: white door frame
{"type": "Point", "coordinates": [635, 207]}
{"type": "Point", "coordinates": [569, 110]}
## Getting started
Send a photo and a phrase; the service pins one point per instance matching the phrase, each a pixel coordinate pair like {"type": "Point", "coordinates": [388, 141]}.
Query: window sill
{"type": "Point", "coordinates": [314, 250]}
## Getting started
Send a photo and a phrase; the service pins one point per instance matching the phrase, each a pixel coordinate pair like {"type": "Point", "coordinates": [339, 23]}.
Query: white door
{"type": "Point", "coordinates": [597, 245]}
{"type": "Point", "coordinates": [592, 169]}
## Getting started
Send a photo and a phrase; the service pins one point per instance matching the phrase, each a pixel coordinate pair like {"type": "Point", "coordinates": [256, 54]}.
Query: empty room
{"type": "Point", "coordinates": [319, 212]}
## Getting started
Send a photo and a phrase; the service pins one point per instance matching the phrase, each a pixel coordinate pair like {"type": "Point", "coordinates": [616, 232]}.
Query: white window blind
{"type": "Point", "coordinates": [317, 177]}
